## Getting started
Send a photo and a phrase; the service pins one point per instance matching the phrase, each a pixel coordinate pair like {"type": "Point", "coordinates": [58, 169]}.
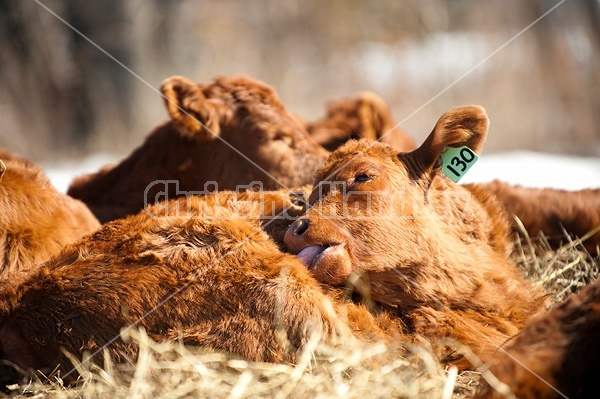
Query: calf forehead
{"type": "Point", "coordinates": [241, 90]}
{"type": "Point", "coordinates": [358, 149]}
{"type": "Point", "coordinates": [266, 116]}
{"type": "Point", "coordinates": [372, 160]}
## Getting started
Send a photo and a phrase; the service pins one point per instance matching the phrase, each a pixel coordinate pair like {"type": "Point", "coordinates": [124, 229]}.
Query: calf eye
{"type": "Point", "coordinates": [362, 178]}
{"type": "Point", "coordinates": [284, 138]}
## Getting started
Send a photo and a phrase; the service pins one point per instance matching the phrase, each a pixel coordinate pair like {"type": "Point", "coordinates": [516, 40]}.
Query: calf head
{"type": "Point", "coordinates": [394, 218]}
{"type": "Point", "coordinates": [232, 131]}
{"type": "Point", "coordinates": [374, 209]}
{"type": "Point", "coordinates": [239, 113]}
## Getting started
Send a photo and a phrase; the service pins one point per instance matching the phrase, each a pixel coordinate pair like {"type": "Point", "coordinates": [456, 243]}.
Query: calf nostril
{"type": "Point", "coordinates": [302, 227]}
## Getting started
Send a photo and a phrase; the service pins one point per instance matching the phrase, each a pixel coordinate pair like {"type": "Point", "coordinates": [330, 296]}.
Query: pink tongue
{"type": "Point", "coordinates": [308, 254]}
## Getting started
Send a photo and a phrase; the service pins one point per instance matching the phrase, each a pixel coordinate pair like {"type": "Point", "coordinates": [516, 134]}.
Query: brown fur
{"type": "Point", "coordinates": [548, 211]}
{"type": "Point", "coordinates": [36, 221]}
{"type": "Point", "coordinates": [209, 276]}
{"type": "Point", "coordinates": [364, 116]}
{"type": "Point", "coordinates": [244, 113]}
{"type": "Point", "coordinates": [560, 347]}
{"type": "Point", "coordinates": [420, 245]}
{"type": "Point", "coordinates": [275, 210]}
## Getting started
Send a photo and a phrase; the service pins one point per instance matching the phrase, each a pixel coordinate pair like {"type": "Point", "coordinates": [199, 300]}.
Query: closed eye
{"type": "Point", "coordinates": [287, 139]}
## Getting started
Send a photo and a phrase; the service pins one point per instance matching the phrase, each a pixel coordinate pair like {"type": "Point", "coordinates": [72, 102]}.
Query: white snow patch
{"type": "Point", "coordinates": [62, 174]}
{"type": "Point", "coordinates": [533, 169]}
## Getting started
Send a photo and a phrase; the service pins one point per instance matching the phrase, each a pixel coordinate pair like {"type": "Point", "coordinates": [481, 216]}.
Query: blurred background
{"type": "Point", "coordinates": [62, 98]}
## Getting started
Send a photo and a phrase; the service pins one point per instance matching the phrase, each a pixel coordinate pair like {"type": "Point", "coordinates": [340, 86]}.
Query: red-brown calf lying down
{"type": "Point", "coordinates": [187, 269]}
{"type": "Point", "coordinates": [208, 121]}
{"type": "Point", "coordinates": [426, 249]}
{"type": "Point", "coordinates": [217, 282]}
{"type": "Point", "coordinates": [549, 211]}
{"type": "Point", "coordinates": [556, 355]}
{"type": "Point", "coordinates": [364, 116]}
{"type": "Point", "coordinates": [246, 114]}
{"type": "Point", "coordinates": [36, 221]}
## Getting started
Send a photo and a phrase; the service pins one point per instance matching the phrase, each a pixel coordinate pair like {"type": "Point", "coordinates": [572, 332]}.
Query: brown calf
{"type": "Point", "coordinates": [548, 211]}
{"type": "Point", "coordinates": [364, 116]}
{"type": "Point", "coordinates": [427, 249]}
{"type": "Point", "coordinates": [199, 272]}
{"type": "Point", "coordinates": [556, 355]}
{"type": "Point", "coordinates": [232, 131]}
{"type": "Point", "coordinates": [36, 221]}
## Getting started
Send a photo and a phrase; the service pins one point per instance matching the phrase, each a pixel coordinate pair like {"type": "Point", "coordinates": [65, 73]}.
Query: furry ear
{"type": "Point", "coordinates": [461, 126]}
{"type": "Point", "coordinates": [192, 112]}
{"type": "Point", "coordinates": [2, 169]}
{"type": "Point", "coordinates": [374, 115]}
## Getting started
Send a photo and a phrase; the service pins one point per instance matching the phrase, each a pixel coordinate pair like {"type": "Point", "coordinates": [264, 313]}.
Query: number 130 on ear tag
{"type": "Point", "coordinates": [457, 162]}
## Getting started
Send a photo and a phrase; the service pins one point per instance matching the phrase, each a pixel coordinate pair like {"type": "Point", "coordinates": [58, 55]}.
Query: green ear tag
{"type": "Point", "coordinates": [457, 161]}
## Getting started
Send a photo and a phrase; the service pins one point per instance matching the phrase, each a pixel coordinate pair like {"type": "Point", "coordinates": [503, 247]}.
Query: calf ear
{"type": "Point", "coordinates": [191, 111]}
{"type": "Point", "coordinates": [2, 169]}
{"type": "Point", "coordinates": [374, 115]}
{"type": "Point", "coordinates": [461, 126]}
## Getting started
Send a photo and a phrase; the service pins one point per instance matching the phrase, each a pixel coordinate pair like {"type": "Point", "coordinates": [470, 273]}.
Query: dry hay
{"type": "Point", "coordinates": [171, 370]}
{"type": "Point", "coordinates": [559, 272]}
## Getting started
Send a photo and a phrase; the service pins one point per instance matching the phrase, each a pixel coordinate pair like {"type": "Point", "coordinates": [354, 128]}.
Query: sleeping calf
{"type": "Point", "coordinates": [368, 116]}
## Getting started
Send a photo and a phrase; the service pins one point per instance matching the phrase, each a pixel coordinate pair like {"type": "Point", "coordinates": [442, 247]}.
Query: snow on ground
{"type": "Point", "coordinates": [521, 167]}
{"type": "Point", "coordinates": [533, 169]}
{"type": "Point", "coordinates": [62, 174]}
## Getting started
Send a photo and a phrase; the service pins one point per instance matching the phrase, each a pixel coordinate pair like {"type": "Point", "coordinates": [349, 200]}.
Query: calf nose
{"type": "Point", "coordinates": [293, 238]}
{"type": "Point", "coordinates": [300, 226]}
